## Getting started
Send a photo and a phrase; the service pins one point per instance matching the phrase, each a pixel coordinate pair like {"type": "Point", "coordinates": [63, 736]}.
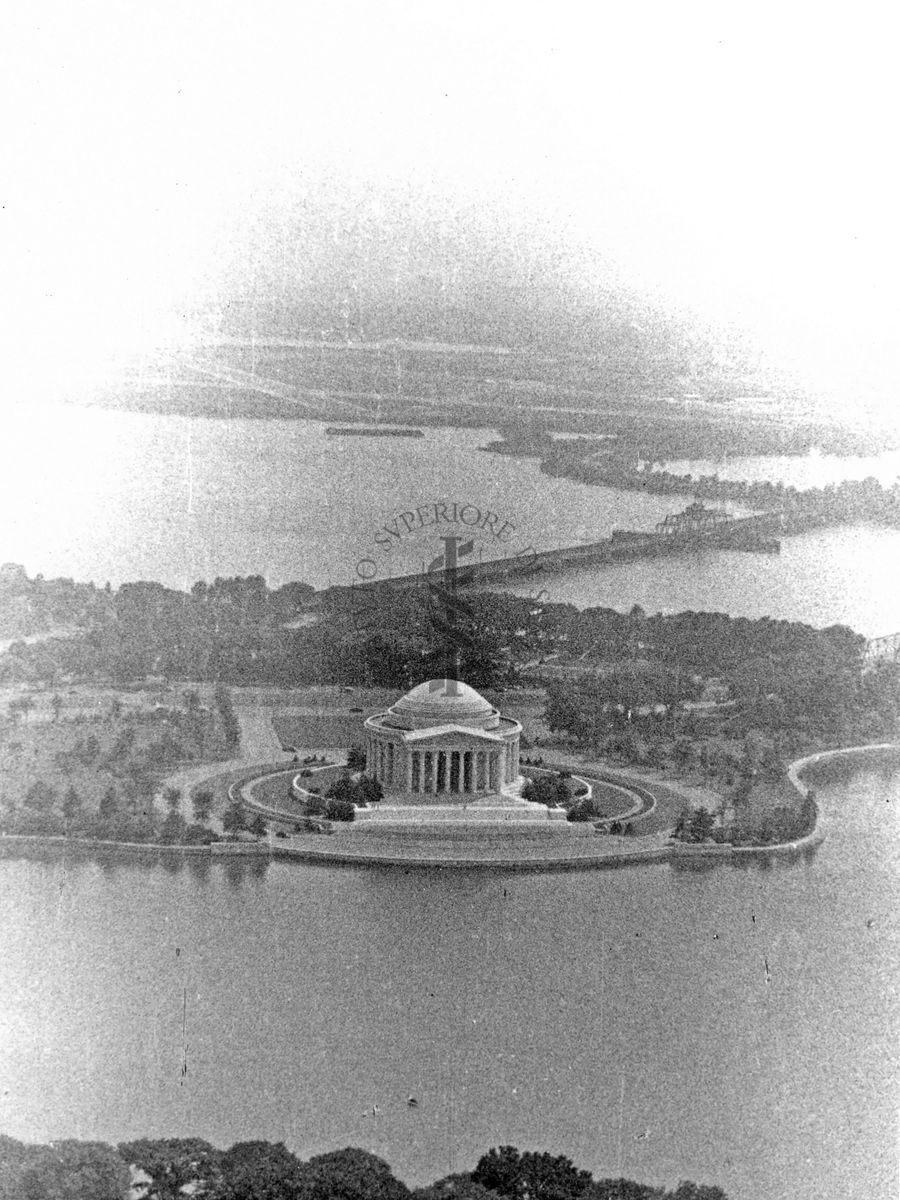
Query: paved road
{"type": "Point", "coordinates": [259, 744]}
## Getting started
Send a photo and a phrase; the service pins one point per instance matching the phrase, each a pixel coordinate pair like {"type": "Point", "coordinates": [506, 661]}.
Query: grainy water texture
{"type": "Point", "coordinates": [734, 1025]}
{"type": "Point", "coordinates": [125, 496]}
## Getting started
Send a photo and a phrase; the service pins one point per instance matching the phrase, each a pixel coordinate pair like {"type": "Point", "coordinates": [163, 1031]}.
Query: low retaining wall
{"type": "Point", "coordinates": [345, 855]}
{"type": "Point", "coordinates": [554, 833]}
{"type": "Point", "coordinates": [241, 791]}
{"type": "Point", "coordinates": [338, 850]}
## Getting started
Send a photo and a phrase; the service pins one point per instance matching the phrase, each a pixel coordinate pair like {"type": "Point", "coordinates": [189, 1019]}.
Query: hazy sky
{"type": "Point", "coordinates": [738, 160]}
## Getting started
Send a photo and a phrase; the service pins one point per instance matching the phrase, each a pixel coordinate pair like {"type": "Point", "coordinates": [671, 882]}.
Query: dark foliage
{"type": "Point", "coordinates": [530, 1175]}
{"type": "Point", "coordinates": [258, 1170]}
{"type": "Point", "coordinates": [549, 789]}
{"type": "Point", "coordinates": [340, 810]}
{"type": "Point", "coordinates": [352, 1175]}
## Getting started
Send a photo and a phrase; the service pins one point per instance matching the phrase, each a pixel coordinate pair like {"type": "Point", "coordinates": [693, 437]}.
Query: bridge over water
{"type": "Point", "coordinates": [882, 649]}
{"type": "Point", "coordinates": [697, 528]}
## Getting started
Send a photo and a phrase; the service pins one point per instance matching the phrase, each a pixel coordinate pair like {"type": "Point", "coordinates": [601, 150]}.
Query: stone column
{"type": "Point", "coordinates": [409, 770]}
{"type": "Point", "coordinates": [492, 770]}
{"type": "Point", "coordinates": [434, 770]}
{"type": "Point", "coordinates": [455, 771]}
{"type": "Point", "coordinates": [467, 771]}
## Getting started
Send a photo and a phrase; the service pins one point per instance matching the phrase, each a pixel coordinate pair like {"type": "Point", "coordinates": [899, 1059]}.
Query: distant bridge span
{"type": "Point", "coordinates": [672, 536]}
{"type": "Point", "coordinates": [883, 649]}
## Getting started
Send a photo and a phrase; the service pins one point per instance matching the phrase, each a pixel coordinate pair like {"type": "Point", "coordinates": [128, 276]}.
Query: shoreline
{"type": "Point", "coordinates": [335, 848]}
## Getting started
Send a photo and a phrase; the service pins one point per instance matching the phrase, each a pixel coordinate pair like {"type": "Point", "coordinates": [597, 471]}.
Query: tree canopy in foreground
{"type": "Point", "coordinates": [173, 1168]}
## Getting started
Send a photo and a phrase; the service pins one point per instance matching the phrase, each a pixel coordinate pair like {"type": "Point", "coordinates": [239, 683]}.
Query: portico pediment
{"type": "Point", "coordinates": [451, 733]}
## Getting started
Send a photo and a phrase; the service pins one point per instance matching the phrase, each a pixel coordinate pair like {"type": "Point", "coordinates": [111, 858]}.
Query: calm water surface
{"type": "Point", "coordinates": [123, 496]}
{"type": "Point", "coordinates": [571, 1012]}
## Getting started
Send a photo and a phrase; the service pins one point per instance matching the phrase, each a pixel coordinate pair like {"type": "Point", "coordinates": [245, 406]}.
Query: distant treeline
{"type": "Point", "coordinates": [240, 631]}
{"type": "Point", "coordinates": [850, 500]}
{"type": "Point", "coordinates": [168, 1168]}
{"type": "Point", "coordinates": [653, 434]}
{"type": "Point", "coordinates": [780, 674]}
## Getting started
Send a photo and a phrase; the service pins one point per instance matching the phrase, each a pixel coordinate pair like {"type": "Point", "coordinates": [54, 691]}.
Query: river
{"type": "Point", "coordinates": [735, 1025]}
{"type": "Point", "coordinates": [102, 495]}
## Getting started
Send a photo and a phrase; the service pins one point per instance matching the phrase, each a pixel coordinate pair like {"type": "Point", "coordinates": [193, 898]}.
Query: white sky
{"type": "Point", "coordinates": [736, 159]}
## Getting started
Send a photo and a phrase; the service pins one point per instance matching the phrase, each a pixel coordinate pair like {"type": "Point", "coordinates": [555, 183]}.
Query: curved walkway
{"type": "Point", "coordinates": [339, 848]}
{"type": "Point", "coordinates": [259, 747]}
{"type": "Point", "coordinates": [507, 849]}
{"type": "Point", "coordinates": [796, 769]}
{"type": "Point", "coordinates": [658, 805]}
{"type": "Point", "coordinates": [661, 802]}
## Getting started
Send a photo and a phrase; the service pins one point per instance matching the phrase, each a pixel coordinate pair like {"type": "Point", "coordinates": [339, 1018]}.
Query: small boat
{"type": "Point", "coordinates": [412, 1102]}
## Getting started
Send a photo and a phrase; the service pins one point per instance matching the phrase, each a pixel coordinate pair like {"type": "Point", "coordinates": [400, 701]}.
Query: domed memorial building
{"type": "Point", "coordinates": [442, 743]}
{"type": "Point", "coordinates": [443, 754]}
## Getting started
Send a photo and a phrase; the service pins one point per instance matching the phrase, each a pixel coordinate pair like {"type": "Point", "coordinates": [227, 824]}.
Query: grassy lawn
{"type": "Point", "coordinates": [93, 739]}
{"type": "Point", "coordinates": [315, 732]}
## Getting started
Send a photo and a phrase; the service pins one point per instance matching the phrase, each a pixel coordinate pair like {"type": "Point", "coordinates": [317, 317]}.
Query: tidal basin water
{"type": "Point", "coordinates": [735, 1025]}
{"type": "Point", "coordinates": [117, 496]}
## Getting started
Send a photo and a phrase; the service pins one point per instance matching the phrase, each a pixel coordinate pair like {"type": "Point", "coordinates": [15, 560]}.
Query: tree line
{"type": "Point", "coordinates": [850, 500]}
{"type": "Point", "coordinates": [171, 1168]}
{"type": "Point", "coordinates": [240, 631]}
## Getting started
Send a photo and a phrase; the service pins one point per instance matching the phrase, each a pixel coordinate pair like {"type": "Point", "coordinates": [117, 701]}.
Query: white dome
{"type": "Point", "coordinates": [442, 702]}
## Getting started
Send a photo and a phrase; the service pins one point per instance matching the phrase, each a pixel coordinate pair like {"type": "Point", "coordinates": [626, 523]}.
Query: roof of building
{"type": "Point", "coordinates": [442, 702]}
{"type": "Point", "coordinates": [437, 731]}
